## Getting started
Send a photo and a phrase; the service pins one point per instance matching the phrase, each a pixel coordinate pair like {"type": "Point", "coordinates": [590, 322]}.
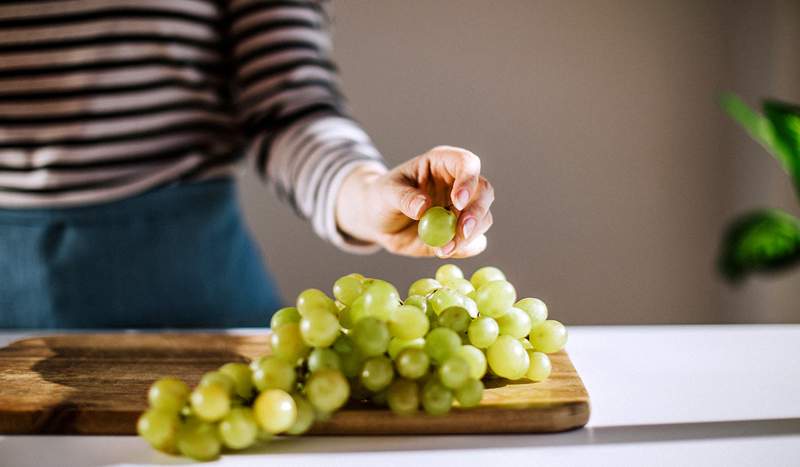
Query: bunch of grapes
{"type": "Point", "coordinates": [429, 352]}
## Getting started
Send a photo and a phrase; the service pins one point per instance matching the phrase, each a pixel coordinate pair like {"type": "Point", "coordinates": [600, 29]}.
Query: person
{"type": "Point", "coordinates": [122, 124]}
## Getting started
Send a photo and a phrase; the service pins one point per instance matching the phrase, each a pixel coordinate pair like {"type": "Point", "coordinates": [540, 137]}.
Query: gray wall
{"type": "Point", "coordinates": [596, 122]}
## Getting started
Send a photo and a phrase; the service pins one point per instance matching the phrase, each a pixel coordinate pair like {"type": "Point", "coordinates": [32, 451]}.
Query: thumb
{"type": "Point", "coordinates": [408, 199]}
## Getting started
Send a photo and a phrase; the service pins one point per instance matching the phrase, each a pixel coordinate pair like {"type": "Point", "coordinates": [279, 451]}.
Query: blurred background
{"type": "Point", "coordinates": [615, 171]}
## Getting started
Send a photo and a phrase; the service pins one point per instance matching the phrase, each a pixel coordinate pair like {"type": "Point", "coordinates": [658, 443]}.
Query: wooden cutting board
{"type": "Point", "coordinates": [97, 384]}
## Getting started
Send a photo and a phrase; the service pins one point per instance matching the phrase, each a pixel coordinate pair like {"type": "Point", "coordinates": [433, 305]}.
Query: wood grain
{"type": "Point", "coordinates": [97, 384]}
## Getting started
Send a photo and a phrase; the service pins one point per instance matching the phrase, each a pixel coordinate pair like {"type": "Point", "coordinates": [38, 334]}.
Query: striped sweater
{"type": "Point", "coordinates": [104, 99]}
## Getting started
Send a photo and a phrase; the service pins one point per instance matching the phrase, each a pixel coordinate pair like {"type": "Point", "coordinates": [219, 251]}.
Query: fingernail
{"type": "Point", "coordinates": [447, 249]}
{"type": "Point", "coordinates": [417, 205]}
{"type": "Point", "coordinates": [469, 226]}
{"type": "Point", "coordinates": [462, 198]}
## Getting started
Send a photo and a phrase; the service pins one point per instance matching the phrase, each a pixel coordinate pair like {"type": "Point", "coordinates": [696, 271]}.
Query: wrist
{"type": "Point", "coordinates": [354, 200]}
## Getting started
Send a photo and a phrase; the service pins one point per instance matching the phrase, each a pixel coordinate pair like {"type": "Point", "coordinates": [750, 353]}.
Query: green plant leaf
{"type": "Point", "coordinates": [785, 121]}
{"type": "Point", "coordinates": [759, 128]}
{"type": "Point", "coordinates": [761, 241]}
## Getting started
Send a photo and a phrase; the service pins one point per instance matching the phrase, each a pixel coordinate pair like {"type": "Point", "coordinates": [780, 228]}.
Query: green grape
{"type": "Point", "coordinates": [443, 299]}
{"type": "Point", "coordinates": [314, 299]}
{"type": "Point", "coordinates": [507, 358]}
{"type": "Point", "coordinates": [323, 358]}
{"type": "Point", "coordinates": [417, 301]}
{"type": "Point", "coordinates": [238, 430]}
{"type": "Point", "coordinates": [526, 344]}
{"type": "Point", "coordinates": [351, 363]}
{"type": "Point", "coordinates": [371, 337]}
{"type": "Point", "coordinates": [536, 309]}
{"type": "Point", "coordinates": [159, 428]}
{"type": "Point", "coordinates": [540, 367]}
{"type": "Point", "coordinates": [515, 323]}
{"type": "Point", "coordinates": [483, 332]}
{"type": "Point", "coordinates": [437, 226]}
{"type": "Point", "coordinates": [495, 298]}
{"type": "Point", "coordinates": [357, 312]}
{"type": "Point", "coordinates": [549, 336]}
{"type": "Point", "coordinates": [287, 343]}
{"type": "Point", "coordinates": [379, 399]}
{"type": "Point", "coordinates": [218, 378]}
{"type": "Point", "coordinates": [423, 287]}
{"type": "Point", "coordinates": [485, 275]}
{"type": "Point", "coordinates": [475, 359]}
{"type": "Point", "coordinates": [380, 300]}
{"type": "Point", "coordinates": [198, 440]}
{"type": "Point", "coordinates": [436, 398]}
{"type": "Point", "coordinates": [397, 345]}
{"type": "Point", "coordinates": [408, 322]}
{"type": "Point", "coordinates": [447, 272]}
{"type": "Point", "coordinates": [305, 416]}
{"type": "Point", "coordinates": [441, 343]}
{"type": "Point", "coordinates": [346, 318]}
{"type": "Point", "coordinates": [275, 411]}
{"type": "Point", "coordinates": [327, 390]}
{"type": "Point", "coordinates": [283, 316]}
{"type": "Point", "coordinates": [471, 307]}
{"type": "Point", "coordinates": [242, 378]}
{"type": "Point", "coordinates": [455, 318]}
{"type": "Point", "coordinates": [403, 397]}
{"type": "Point", "coordinates": [453, 372]}
{"type": "Point", "coordinates": [343, 344]}
{"type": "Point", "coordinates": [470, 393]}
{"type": "Point", "coordinates": [168, 394]}
{"type": "Point", "coordinates": [377, 373]}
{"type": "Point", "coordinates": [348, 288]}
{"type": "Point", "coordinates": [460, 285]}
{"type": "Point", "coordinates": [274, 373]}
{"type": "Point", "coordinates": [412, 363]}
{"type": "Point", "coordinates": [210, 402]}
{"type": "Point", "coordinates": [319, 328]}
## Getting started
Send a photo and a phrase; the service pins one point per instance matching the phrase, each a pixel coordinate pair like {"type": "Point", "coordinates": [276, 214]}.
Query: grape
{"type": "Point", "coordinates": [540, 366]}
{"type": "Point", "coordinates": [323, 358]}
{"type": "Point", "coordinates": [380, 300]}
{"type": "Point", "coordinates": [536, 309]}
{"type": "Point", "coordinates": [379, 399]}
{"type": "Point", "coordinates": [436, 398]}
{"type": "Point", "coordinates": [507, 358]}
{"type": "Point", "coordinates": [314, 299]}
{"type": "Point", "coordinates": [275, 411]}
{"type": "Point", "coordinates": [319, 328]}
{"type": "Point", "coordinates": [475, 359]}
{"type": "Point", "coordinates": [515, 323]}
{"type": "Point", "coordinates": [357, 312]}
{"type": "Point", "coordinates": [168, 394]}
{"type": "Point", "coordinates": [447, 272]}
{"type": "Point", "coordinates": [437, 226]}
{"type": "Point", "coordinates": [460, 285]}
{"type": "Point", "coordinates": [423, 287]}
{"type": "Point", "coordinates": [158, 427]}
{"type": "Point", "coordinates": [238, 429]}
{"type": "Point", "coordinates": [377, 373]}
{"type": "Point", "coordinates": [470, 393]}
{"type": "Point", "coordinates": [287, 343]}
{"type": "Point", "coordinates": [417, 301]}
{"type": "Point", "coordinates": [441, 343]}
{"type": "Point", "coordinates": [443, 299]}
{"type": "Point", "coordinates": [483, 332]}
{"type": "Point", "coordinates": [485, 275]}
{"type": "Point", "coordinates": [371, 337]}
{"type": "Point", "coordinates": [274, 373]}
{"type": "Point", "coordinates": [495, 298]}
{"type": "Point", "coordinates": [412, 363]}
{"type": "Point", "coordinates": [283, 316]}
{"type": "Point", "coordinates": [455, 318]}
{"type": "Point", "coordinates": [210, 402]}
{"type": "Point", "coordinates": [327, 390]}
{"type": "Point", "coordinates": [408, 322]}
{"type": "Point", "coordinates": [403, 397]}
{"type": "Point", "coordinates": [305, 416]}
{"type": "Point", "coordinates": [219, 378]}
{"type": "Point", "coordinates": [471, 307]}
{"type": "Point", "coordinates": [348, 288]}
{"type": "Point", "coordinates": [549, 336]}
{"type": "Point", "coordinates": [346, 318]}
{"type": "Point", "coordinates": [198, 440]}
{"type": "Point", "coordinates": [398, 345]}
{"type": "Point", "coordinates": [526, 344]}
{"type": "Point", "coordinates": [453, 372]}
{"type": "Point", "coordinates": [351, 363]}
{"type": "Point", "coordinates": [241, 376]}
{"type": "Point", "coordinates": [343, 344]}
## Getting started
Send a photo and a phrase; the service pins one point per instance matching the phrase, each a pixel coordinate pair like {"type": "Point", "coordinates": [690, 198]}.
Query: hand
{"type": "Point", "coordinates": [384, 207]}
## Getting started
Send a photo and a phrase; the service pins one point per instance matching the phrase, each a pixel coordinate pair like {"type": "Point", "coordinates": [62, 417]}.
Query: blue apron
{"type": "Point", "coordinates": [179, 256]}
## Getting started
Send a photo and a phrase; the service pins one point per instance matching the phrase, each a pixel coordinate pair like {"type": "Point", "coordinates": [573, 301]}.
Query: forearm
{"type": "Point", "coordinates": [353, 203]}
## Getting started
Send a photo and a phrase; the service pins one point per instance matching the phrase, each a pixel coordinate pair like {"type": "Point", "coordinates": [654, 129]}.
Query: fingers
{"type": "Point", "coordinates": [457, 167]}
{"type": "Point", "coordinates": [407, 199]}
{"type": "Point", "coordinates": [475, 247]}
{"type": "Point", "coordinates": [474, 215]}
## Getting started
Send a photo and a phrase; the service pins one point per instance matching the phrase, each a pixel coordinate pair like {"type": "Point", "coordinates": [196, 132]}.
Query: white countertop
{"type": "Point", "coordinates": [660, 395]}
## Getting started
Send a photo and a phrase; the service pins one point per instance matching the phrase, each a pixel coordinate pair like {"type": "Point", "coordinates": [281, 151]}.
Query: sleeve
{"type": "Point", "coordinates": [298, 131]}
